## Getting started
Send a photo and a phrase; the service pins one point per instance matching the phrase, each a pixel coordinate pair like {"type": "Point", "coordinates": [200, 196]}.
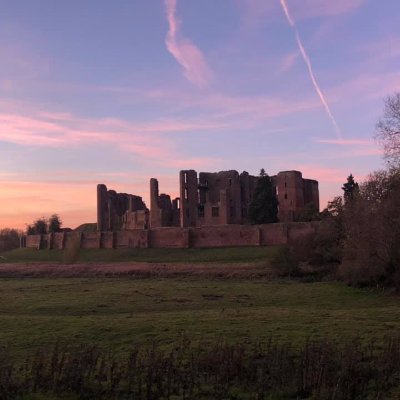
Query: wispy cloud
{"type": "Point", "coordinates": [184, 51]}
{"type": "Point", "coordinates": [227, 111]}
{"type": "Point", "coordinates": [322, 173]}
{"type": "Point", "coordinates": [367, 86]}
{"type": "Point", "coordinates": [350, 148]}
{"type": "Point", "coordinates": [289, 61]}
{"type": "Point", "coordinates": [143, 140]}
{"type": "Point", "coordinates": [309, 67]}
{"type": "Point", "coordinates": [194, 162]}
{"type": "Point", "coordinates": [45, 129]}
{"type": "Point", "coordinates": [346, 142]}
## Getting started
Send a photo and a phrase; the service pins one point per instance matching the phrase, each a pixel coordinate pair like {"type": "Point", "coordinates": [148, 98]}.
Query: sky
{"type": "Point", "coordinates": [117, 92]}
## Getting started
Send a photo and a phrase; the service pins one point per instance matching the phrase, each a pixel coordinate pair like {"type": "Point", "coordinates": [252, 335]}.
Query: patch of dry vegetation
{"type": "Point", "coordinates": [319, 370]}
{"type": "Point", "coordinates": [137, 270]}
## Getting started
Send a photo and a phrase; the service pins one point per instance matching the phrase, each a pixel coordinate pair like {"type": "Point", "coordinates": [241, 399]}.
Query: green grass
{"type": "Point", "coordinates": [222, 255]}
{"type": "Point", "coordinates": [119, 313]}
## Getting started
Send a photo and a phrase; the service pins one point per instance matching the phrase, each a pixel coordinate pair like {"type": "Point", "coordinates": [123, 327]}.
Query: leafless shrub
{"type": "Point", "coordinates": [318, 370]}
{"type": "Point", "coordinates": [371, 253]}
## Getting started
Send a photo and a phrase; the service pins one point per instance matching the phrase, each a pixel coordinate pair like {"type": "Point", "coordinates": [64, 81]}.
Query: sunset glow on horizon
{"type": "Point", "coordinates": [120, 92]}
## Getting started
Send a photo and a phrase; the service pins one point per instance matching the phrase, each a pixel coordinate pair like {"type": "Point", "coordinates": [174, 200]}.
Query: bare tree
{"type": "Point", "coordinates": [371, 252]}
{"type": "Point", "coordinates": [388, 130]}
{"type": "Point", "coordinates": [9, 239]}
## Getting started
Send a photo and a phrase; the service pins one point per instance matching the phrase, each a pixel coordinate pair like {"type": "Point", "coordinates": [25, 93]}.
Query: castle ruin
{"type": "Point", "coordinates": [206, 199]}
{"type": "Point", "coordinates": [120, 211]}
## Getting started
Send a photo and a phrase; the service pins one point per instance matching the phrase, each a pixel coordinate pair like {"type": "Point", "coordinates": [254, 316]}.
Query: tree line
{"type": "Point", "coordinates": [42, 225]}
{"type": "Point", "coordinates": [11, 238]}
{"type": "Point", "coordinates": [358, 238]}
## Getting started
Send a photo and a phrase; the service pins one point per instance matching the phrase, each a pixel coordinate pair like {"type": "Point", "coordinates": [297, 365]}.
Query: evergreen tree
{"type": "Point", "coordinates": [38, 227]}
{"type": "Point", "coordinates": [350, 188]}
{"type": "Point", "coordinates": [54, 224]}
{"type": "Point", "coordinates": [30, 230]}
{"type": "Point", "coordinates": [264, 207]}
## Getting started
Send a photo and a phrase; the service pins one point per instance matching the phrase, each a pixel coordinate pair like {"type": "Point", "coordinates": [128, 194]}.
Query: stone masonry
{"type": "Point", "coordinates": [206, 199]}
{"type": "Point", "coordinates": [163, 211]}
{"type": "Point", "coordinates": [120, 211]}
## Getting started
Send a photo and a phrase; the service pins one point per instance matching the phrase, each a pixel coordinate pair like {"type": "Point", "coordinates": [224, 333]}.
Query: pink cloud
{"type": "Point", "coordinates": [217, 110]}
{"type": "Point", "coordinates": [321, 173]}
{"type": "Point", "coordinates": [148, 140]}
{"type": "Point", "coordinates": [289, 61]}
{"type": "Point", "coordinates": [47, 130]}
{"type": "Point", "coordinates": [144, 139]}
{"type": "Point", "coordinates": [193, 163]}
{"type": "Point", "coordinates": [330, 180]}
{"type": "Point", "coordinates": [224, 110]}
{"type": "Point", "coordinates": [346, 142]}
{"type": "Point", "coordinates": [363, 152]}
{"type": "Point", "coordinates": [351, 148]}
{"type": "Point", "coordinates": [184, 51]}
{"type": "Point", "coordinates": [366, 86]}
{"type": "Point", "coordinates": [21, 129]}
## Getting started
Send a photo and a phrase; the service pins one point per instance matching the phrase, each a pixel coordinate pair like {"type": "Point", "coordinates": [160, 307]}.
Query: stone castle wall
{"type": "Point", "coordinates": [175, 237]}
{"type": "Point", "coordinates": [206, 199]}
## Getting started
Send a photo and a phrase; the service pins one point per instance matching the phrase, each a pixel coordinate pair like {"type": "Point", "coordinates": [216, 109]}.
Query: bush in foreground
{"type": "Point", "coordinates": [318, 370]}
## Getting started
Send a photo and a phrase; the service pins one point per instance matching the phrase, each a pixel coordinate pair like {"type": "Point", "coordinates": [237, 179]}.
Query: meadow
{"type": "Point", "coordinates": [220, 255]}
{"type": "Point", "coordinates": [127, 303]}
{"type": "Point", "coordinates": [141, 302]}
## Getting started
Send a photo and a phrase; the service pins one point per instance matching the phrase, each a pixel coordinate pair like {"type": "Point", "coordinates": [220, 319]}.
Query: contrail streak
{"type": "Point", "coordinates": [307, 60]}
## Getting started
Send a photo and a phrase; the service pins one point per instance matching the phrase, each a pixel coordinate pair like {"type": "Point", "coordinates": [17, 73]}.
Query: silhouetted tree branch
{"type": "Point", "coordinates": [388, 130]}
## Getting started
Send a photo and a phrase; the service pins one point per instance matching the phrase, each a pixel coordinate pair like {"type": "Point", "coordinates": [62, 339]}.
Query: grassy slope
{"type": "Point", "coordinates": [121, 312]}
{"type": "Point", "coordinates": [232, 254]}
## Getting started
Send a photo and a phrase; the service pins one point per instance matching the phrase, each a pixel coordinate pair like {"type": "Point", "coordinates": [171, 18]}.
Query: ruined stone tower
{"type": "Point", "coordinates": [189, 198]}
{"type": "Point", "coordinates": [207, 199]}
{"type": "Point", "coordinates": [294, 193]}
{"type": "Point", "coordinates": [163, 211]}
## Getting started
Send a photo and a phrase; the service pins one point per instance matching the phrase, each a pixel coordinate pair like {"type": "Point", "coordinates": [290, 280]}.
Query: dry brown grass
{"type": "Point", "coordinates": [136, 270]}
{"type": "Point", "coordinates": [320, 370]}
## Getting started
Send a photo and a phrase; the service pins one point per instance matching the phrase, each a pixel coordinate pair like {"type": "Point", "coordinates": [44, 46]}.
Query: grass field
{"type": "Point", "coordinates": [122, 299]}
{"type": "Point", "coordinates": [119, 313]}
{"type": "Point", "coordinates": [223, 255]}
